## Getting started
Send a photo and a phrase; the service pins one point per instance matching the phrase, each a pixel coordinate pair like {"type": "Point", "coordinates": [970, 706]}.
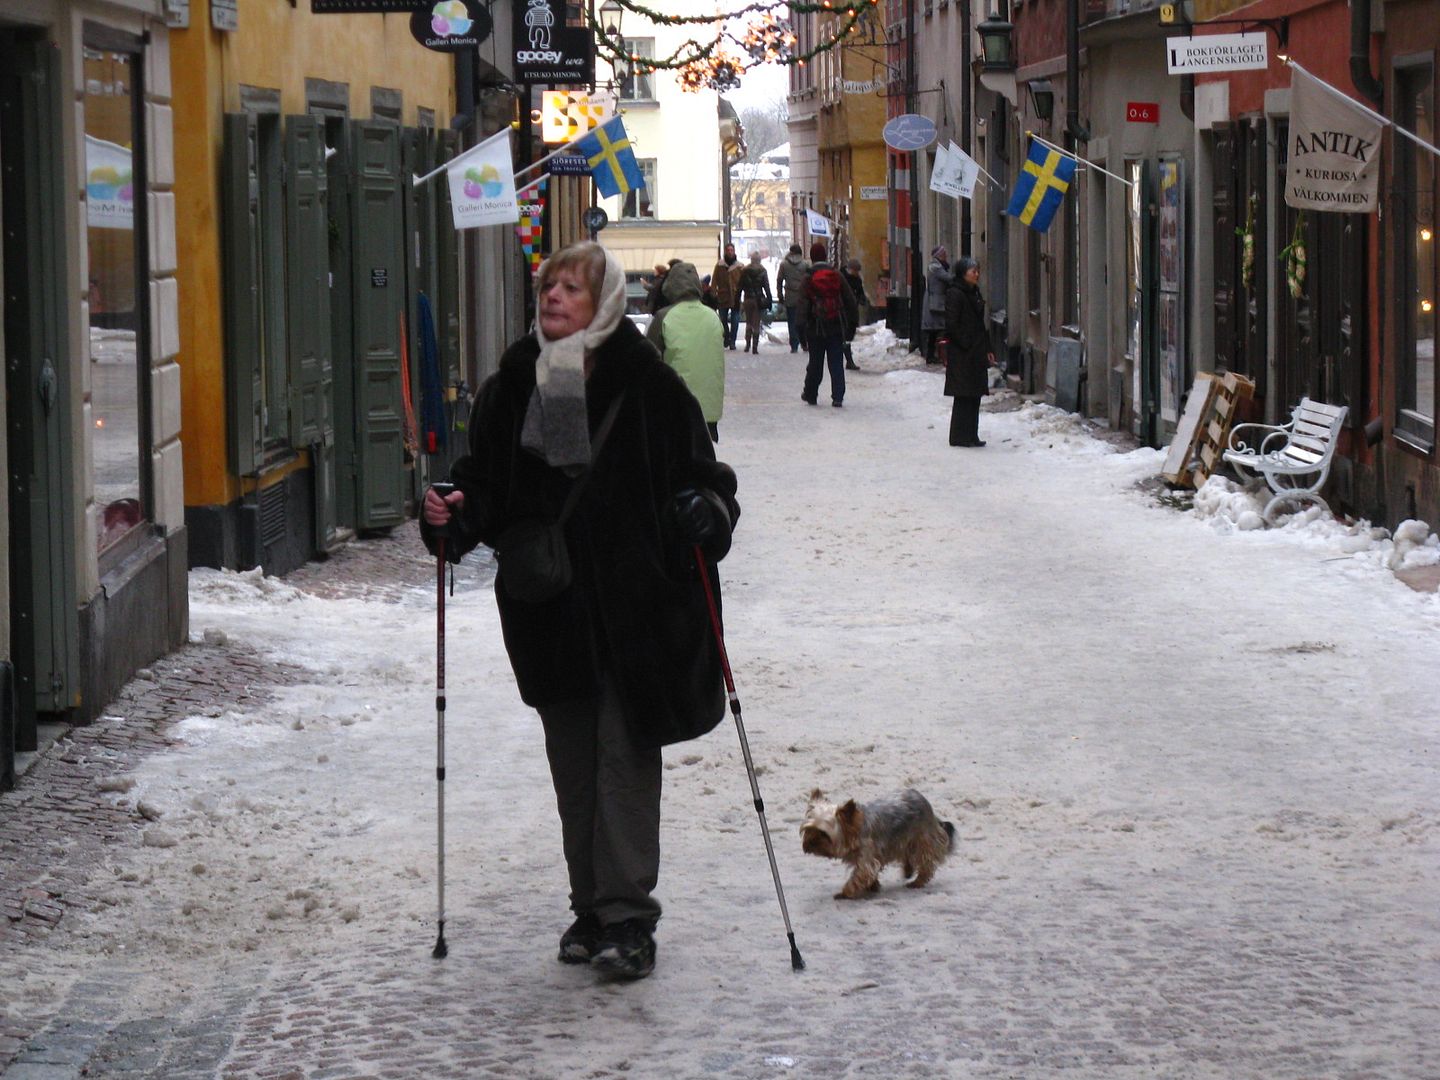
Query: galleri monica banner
{"type": "Point", "coordinates": [1334, 151]}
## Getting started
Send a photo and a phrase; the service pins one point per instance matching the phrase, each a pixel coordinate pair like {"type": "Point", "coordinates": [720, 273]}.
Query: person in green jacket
{"type": "Point", "coordinates": [691, 340]}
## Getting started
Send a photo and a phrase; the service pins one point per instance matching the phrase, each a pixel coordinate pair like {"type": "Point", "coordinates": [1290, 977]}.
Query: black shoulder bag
{"type": "Point", "coordinates": [534, 558]}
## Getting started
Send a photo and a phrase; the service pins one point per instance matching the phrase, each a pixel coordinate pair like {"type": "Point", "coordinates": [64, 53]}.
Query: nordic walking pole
{"type": "Point", "coordinates": [440, 950]}
{"type": "Point", "coordinates": [796, 963]}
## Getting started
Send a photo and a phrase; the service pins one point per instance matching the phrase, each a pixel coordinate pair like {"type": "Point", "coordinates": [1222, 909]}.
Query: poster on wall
{"type": "Point", "coordinates": [1172, 276]}
{"type": "Point", "coordinates": [109, 185]}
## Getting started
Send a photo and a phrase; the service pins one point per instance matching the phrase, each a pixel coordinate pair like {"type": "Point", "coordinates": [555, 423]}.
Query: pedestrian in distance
{"type": "Point", "coordinates": [724, 284]}
{"type": "Point", "coordinates": [968, 360]}
{"type": "Point", "coordinates": [932, 319]}
{"type": "Point", "coordinates": [655, 287]}
{"type": "Point", "coordinates": [828, 309]}
{"type": "Point", "coordinates": [851, 273]}
{"type": "Point", "coordinates": [590, 471]}
{"type": "Point", "coordinates": [753, 290]}
{"type": "Point", "coordinates": [692, 341]}
{"type": "Point", "coordinates": [706, 296]}
{"type": "Point", "coordinates": [789, 283]}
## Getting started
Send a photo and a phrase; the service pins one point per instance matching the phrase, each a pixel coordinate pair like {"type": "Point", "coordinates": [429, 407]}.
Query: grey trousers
{"type": "Point", "coordinates": [608, 793]}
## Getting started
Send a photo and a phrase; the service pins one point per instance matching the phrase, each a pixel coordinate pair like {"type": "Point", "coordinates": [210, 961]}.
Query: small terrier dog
{"type": "Point", "coordinates": [896, 829]}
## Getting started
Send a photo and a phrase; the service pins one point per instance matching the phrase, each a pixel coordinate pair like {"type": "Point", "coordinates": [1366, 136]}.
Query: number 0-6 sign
{"type": "Point", "coordinates": [1142, 112]}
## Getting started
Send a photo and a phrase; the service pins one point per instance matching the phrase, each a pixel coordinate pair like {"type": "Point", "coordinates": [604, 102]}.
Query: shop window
{"type": "Point", "coordinates": [119, 348]}
{"type": "Point", "coordinates": [640, 202]}
{"type": "Point", "coordinates": [1417, 262]}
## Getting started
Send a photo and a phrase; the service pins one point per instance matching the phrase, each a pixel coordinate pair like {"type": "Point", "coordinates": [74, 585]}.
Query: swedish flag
{"type": "Point", "coordinates": [612, 162]}
{"type": "Point", "coordinates": [1044, 179]}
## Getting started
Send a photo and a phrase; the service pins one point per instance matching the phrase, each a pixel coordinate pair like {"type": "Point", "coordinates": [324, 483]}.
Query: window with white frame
{"type": "Point", "coordinates": [640, 202]}
{"type": "Point", "coordinates": [639, 86]}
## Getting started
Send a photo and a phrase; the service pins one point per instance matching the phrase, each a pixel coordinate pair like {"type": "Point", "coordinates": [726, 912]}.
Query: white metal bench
{"type": "Point", "coordinates": [1293, 458]}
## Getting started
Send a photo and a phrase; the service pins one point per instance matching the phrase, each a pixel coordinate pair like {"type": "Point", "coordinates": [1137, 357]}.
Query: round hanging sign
{"type": "Point", "coordinates": [451, 25]}
{"type": "Point", "coordinates": [910, 131]}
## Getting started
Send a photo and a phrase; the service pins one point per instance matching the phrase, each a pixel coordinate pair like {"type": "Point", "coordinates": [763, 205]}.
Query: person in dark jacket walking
{"type": "Point", "coordinates": [790, 281]}
{"type": "Point", "coordinates": [851, 274]}
{"type": "Point", "coordinates": [932, 319]}
{"type": "Point", "coordinates": [724, 286]}
{"type": "Point", "coordinates": [827, 310]}
{"type": "Point", "coordinates": [753, 291]}
{"type": "Point", "coordinates": [622, 659]}
{"type": "Point", "coordinates": [968, 363]}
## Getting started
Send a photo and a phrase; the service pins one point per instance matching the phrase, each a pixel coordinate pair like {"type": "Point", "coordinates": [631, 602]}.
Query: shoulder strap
{"type": "Point", "coordinates": [600, 436]}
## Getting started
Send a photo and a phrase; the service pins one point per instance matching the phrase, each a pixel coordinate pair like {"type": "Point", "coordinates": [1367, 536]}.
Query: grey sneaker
{"type": "Point", "coordinates": [577, 945]}
{"type": "Point", "coordinates": [626, 950]}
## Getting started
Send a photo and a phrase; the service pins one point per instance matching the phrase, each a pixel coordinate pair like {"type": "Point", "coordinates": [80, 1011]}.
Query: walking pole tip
{"type": "Point", "coordinates": [796, 962]}
{"type": "Point", "coordinates": [442, 950]}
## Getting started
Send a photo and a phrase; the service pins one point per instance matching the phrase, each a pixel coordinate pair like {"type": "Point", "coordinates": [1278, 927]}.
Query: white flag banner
{"type": "Point", "coordinates": [945, 172]}
{"type": "Point", "coordinates": [482, 184]}
{"type": "Point", "coordinates": [1334, 151]}
{"type": "Point", "coordinates": [819, 224]}
{"type": "Point", "coordinates": [969, 171]}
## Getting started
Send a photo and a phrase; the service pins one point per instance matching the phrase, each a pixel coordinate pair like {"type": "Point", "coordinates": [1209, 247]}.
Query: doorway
{"type": "Point", "coordinates": [41, 617]}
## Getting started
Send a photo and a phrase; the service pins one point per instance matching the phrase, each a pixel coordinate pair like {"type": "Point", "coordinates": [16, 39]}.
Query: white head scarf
{"type": "Point", "coordinates": [556, 425]}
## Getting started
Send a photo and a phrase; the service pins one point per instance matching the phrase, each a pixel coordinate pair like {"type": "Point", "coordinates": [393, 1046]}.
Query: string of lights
{"type": "Point", "coordinates": [717, 62]}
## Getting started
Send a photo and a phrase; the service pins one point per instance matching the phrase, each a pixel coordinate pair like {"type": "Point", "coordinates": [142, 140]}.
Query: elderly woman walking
{"type": "Point", "coordinates": [968, 367]}
{"type": "Point", "coordinates": [584, 429]}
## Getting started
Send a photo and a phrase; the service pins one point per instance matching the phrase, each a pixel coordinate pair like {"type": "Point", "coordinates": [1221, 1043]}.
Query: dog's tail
{"type": "Point", "coordinates": [949, 835]}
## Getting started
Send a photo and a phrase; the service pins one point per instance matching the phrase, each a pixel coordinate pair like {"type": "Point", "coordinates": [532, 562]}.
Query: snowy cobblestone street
{"type": "Point", "coordinates": [1194, 773]}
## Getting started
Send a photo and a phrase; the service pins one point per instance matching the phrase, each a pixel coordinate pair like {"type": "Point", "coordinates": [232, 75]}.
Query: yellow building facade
{"type": "Point", "coordinates": [275, 286]}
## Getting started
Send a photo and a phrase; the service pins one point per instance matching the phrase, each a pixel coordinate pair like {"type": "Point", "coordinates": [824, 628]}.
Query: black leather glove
{"type": "Point", "coordinates": [699, 517]}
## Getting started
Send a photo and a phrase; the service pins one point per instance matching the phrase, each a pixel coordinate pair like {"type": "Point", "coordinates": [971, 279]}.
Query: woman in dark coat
{"type": "Point", "coordinates": [967, 370]}
{"type": "Point", "coordinates": [623, 659]}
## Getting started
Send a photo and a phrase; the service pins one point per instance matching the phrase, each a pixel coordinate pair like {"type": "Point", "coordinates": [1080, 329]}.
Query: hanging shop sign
{"type": "Point", "coordinates": [1142, 112]}
{"type": "Point", "coordinates": [1217, 52]}
{"type": "Point", "coordinates": [547, 51]}
{"type": "Point", "coordinates": [869, 86]}
{"type": "Point", "coordinates": [451, 25]}
{"type": "Point", "coordinates": [1334, 148]}
{"type": "Point", "coordinates": [369, 7]}
{"type": "Point", "coordinates": [568, 165]}
{"type": "Point", "coordinates": [225, 14]}
{"type": "Point", "coordinates": [909, 131]}
{"type": "Point", "coordinates": [565, 115]}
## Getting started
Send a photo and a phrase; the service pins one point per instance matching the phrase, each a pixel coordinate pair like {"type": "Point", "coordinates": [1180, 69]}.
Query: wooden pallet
{"type": "Point", "coordinates": [1231, 391]}
{"type": "Point", "coordinates": [1204, 428]}
{"type": "Point", "coordinates": [1176, 470]}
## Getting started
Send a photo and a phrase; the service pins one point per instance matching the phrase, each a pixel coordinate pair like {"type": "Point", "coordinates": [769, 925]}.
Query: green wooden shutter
{"type": "Point", "coordinates": [44, 626]}
{"type": "Point", "coordinates": [308, 329]}
{"type": "Point", "coordinates": [240, 194]}
{"type": "Point", "coordinates": [306, 278]}
{"type": "Point", "coordinates": [378, 283]}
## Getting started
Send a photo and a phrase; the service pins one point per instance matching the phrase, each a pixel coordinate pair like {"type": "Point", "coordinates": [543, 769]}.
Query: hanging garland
{"type": "Point", "coordinates": [718, 62]}
{"type": "Point", "coordinates": [1246, 233]}
{"type": "Point", "coordinates": [1293, 256]}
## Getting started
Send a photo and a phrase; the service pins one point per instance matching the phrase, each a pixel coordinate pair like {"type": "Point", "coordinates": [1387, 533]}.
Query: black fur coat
{"type": "Point", "coordinates": [636, 607]}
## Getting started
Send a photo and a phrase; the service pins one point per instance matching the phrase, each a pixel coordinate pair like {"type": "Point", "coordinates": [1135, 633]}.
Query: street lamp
{"type": "Point", "coordinates": [612, 14]}
{"type": "Point", "coordinates": [996, 43]}
{"type": "Point", "coordinates": [1042, 98]}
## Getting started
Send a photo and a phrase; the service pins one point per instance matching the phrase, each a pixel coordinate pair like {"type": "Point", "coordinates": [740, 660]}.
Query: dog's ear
{"type": "Point", "coordinates": [849, 818]}
{"type": "Point", "coordinates": [816, 795]}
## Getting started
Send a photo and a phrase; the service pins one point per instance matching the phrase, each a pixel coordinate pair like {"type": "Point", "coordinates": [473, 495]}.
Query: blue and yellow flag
{"type": "Point", "coordinates": [1044, 179]}
{"type": "Point", "coordinates": [612, 162]}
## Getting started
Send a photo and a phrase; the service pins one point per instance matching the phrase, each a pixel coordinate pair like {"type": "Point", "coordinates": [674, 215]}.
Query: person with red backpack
{"type": "Point", "coordinates": [829, 311]}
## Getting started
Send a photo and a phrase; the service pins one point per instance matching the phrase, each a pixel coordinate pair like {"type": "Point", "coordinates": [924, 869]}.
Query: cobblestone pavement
{"type": "Point", "coordinates": [62, 825]}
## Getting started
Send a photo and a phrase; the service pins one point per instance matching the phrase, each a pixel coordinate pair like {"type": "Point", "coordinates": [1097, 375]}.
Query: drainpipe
{"type": "Point", "coordinates": [917, 267]}
{"type": "Point", "coordinates": [966, 110]}
{"type": "Point", "coordinates": [1075, 134]}
{"type": "Point", "coordinates": [1360, 74]}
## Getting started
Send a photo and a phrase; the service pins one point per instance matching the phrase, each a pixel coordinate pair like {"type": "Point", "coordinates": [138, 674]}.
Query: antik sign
{"type": "Point", "coordinates": [1217, 52]}
{"type": "Point", "coordinates": [1334, 151]}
